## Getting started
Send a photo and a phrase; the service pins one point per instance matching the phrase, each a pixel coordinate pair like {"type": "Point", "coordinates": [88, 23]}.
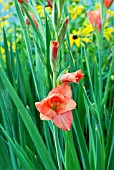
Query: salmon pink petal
{"type": "Point", "coordinates": [63, 121]}
{"type": "Point", "coordinates": [44, 108]}
{"type": "Point", "coordinates": [68, 77]}
{"type": "Point", "coordinates": [57, 97]}
{"type": "Point", "coordinates": [64, 89]}
{"type": "Point", "coordinates": [43, 117]}
{"type": "Point", "coordinates": [64, 107]}
{"type": "Point", "coordinates": [78, 75]}
{"type": "Point", "coordinates": [72, 77]}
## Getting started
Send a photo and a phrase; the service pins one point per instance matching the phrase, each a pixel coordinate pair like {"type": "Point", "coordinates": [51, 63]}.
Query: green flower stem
{"type": "Point", "coordinates": [108, 81]}
{"type": "Point", "coordinates": [56, 139]}
{"type": "Point", "coordinates": [100, 49]}
{"type": "Point", "coordinates": [66, 152]}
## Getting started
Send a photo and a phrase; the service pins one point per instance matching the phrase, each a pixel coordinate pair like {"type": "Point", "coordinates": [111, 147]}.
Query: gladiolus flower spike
{"type": "Point", "coordinates": [95, 18]}
{"type": "Point", "coordinates": [108, 3]}
{"type": "Point", "coordinates": [72, 77]}
{"type": "Point", "coordinates": [57, 107]}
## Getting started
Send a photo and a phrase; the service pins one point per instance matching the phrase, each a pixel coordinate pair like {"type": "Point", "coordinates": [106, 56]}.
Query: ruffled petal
{"type": "Point", "coordinates": [68, 105]}
{"type": "Point", "coordinates": [63, 121]}
{"type": "Point", "coordinates": [68, 77]}
{"type": "Point", "coordinates": [43, 117]}
{"type": "Point", "coordinates": [44, 108]}
{"type": "Point", "coordinates": [63, 89]}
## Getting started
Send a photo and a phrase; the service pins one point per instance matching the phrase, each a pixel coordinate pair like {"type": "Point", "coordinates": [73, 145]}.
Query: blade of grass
{"type": "Point", "coordinates": [38, 142]}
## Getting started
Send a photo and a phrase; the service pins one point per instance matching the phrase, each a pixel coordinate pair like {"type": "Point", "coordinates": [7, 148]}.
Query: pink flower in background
{"type": "Point", "coordinates": [33, 18]}
{"type": "Point", "coordinates": [57, 107]}
{"type": "Point", "coordinates": [95, 18]}
{"type": "Point", "coordinates": [72, 77]}
{"type": "Point", "coordinates": [108, 3]}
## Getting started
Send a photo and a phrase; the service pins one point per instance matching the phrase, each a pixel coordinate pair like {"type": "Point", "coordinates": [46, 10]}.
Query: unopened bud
{"type": "Point", "coordinates": [108, 3]}
{"type": "Point", "coordinates": [49, 3]}
{"type": "Point", "coordinates": [62, 31]}
{"type": "Point", "coordinates": [23, 1]}
{"type": "Point", "coordinates": [53, 54]}
{"type": "Point", "coordinates": [54, 47]}
{"type": "Point", "coordinates": [33, 18]}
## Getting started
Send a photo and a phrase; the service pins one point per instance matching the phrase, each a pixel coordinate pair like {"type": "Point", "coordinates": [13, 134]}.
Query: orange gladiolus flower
{"type": "Point", "coordinates": [108, 3]}
{"type": "Point", "coordinates": [57, 107]}
{"type": "Point", "coordinates": [95, 18]}
{"type": "Point", "coordinates": [72, 77]}
{"type": "Point", "coordinates": [33, 18]}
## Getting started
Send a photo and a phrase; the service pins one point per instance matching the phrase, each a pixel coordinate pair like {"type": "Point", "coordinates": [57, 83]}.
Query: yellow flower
{"type": "Point", "coordinates": [3, 20]}
{"type": "Point", "coordinates": [75, 0]}
{"type": "Point", "coordinates": [13, 46]}
{"type": "Point", "coordinates": [5, 7]}
{"type": "Point", "coordinates": [3, 23]}
{"type": "Point", "coordinates": [75, 11]}
{"type": "Point", "coordinates": [2, 52]}
{"type": "Point", "coordinates": [111, 13]}
{"type": "Point", "coordinates": [81, 36]}
{"type": "Point", "coordinates": [108, 31]}
{"type": "Point", "coordinates": [40, 10]}
{"type": "Point", "coordinates": [97, 5]}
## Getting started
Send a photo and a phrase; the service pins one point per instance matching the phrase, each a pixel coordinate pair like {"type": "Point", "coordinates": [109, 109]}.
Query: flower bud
{"type": "Point", "coordinates": [108, 3]}
{"type": "Point", "coordinates": [23, 1]}
{"type": "Point", "coordinates": [62, 31]}
{"type": "Point", "coordinates": [49, 3]}
{"type": "Point", "coordinates": [55, 46]}
{"type": "Point", "coordinates": [72, 77]}
{"type": "Point", "coordinates": [33, 18]}
{"type": "Point", "coordinates": [95, 19]}
{"type": "Point", "coordinates": [53, 54]}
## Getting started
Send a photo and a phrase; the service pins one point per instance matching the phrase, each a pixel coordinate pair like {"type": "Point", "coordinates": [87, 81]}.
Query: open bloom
{"type": "Point", "coordinates": [57, 107]}
{"type": "Point", "coordinates": [33, 18]}
{"type": "Point", "coordinates": [81, 36]}
{"type": "Point", "coordinates": [72, 77]}
{"type": "Point", "coordinates": [95, 18]}
{"type": "Point", "coordinates": [75, 10]}
{"type": "Point", "coordinates": [108, 3]}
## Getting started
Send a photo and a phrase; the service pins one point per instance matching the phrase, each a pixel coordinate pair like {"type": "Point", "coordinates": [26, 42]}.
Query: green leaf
{"type": "Point", "coordinates": [38, 142]}
{"type": "Point", "coordinates": [5, 160]}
